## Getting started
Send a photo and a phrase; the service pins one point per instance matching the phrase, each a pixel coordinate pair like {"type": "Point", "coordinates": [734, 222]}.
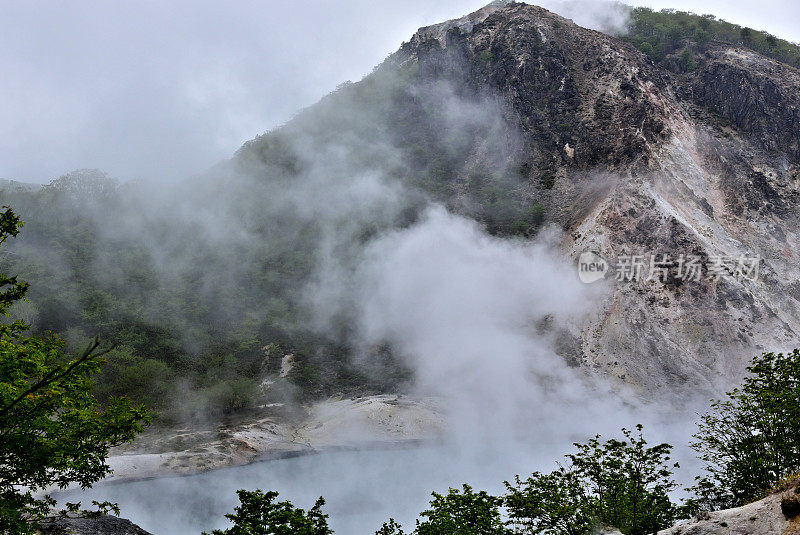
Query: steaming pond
{"type": "Point", "coordinates": [362, 488]}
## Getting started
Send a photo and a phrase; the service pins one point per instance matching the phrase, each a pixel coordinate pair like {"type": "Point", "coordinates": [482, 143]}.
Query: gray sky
{"type": "Point", "coordinates": [161, 90]}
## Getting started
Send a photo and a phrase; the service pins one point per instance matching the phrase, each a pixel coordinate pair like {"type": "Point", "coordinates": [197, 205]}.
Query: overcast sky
{"type": "Point", "coordinates": [161, 90]}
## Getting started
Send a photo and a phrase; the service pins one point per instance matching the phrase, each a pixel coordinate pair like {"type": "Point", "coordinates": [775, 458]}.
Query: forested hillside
{"type": "Point", "coordinates": [203, 284]}
{"type": "Point", "coordinates": [669, 36]}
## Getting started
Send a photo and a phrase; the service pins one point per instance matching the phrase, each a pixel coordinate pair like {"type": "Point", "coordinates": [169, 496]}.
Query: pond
{"type": "Point", "coordinates": [362, 488]}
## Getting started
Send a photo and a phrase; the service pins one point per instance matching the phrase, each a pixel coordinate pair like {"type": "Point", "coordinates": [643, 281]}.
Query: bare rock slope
{"type": "Point", "coordinates": [633, 159]}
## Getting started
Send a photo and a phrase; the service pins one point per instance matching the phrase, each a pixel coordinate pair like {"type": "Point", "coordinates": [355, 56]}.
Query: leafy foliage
{"type": "Point", "coordinates": [554, 503]}
{"type": "Point", "coordinates": [464, 512]}
{"type": "Point", "coordinates": [53, 432]}
{"type": "Point", "coordinates": [619, 483]}
{"type": "Point", "coordinates": [750, 441]}
{"type": "Point", "coordinates": [390, 528]}
{"type": "Point", "coordinates": [629, 483]}
{"type": "Point", "coordinates": [259, 514]}
{"type": "Point", "coordinates": [459, 512]}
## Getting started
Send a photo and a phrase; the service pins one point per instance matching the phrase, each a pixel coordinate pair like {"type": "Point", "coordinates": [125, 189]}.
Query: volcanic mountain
{"type": "Point", "coordinates": [693, 159]}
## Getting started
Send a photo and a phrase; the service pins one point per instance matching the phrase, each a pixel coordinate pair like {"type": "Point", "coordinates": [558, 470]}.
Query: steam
{"type": "Point", "coordinates": [466, 311]}
{"type": "Point", "coordinates": [605, 16]}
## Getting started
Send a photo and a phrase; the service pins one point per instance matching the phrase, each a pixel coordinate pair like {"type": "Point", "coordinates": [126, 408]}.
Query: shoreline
{"type": "Point", "coordinates": [373, 422]}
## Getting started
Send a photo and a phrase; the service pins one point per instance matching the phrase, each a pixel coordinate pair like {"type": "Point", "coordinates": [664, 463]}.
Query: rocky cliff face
{"type": "Point", "coordinates": [633, 159]}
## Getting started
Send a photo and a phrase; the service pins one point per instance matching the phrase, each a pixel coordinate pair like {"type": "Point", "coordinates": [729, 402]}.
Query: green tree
{"type": "Point", "coordinates": [771, 41]}
{"type": "Point", "coordinates": [750, 441]}
{"type": "Point", "coordinates": [701, 36]}
{"type": "Point", "coordinates": [53, 432]}
{"type": "Point", "coordinates": [551, 504]}
{"type": "Point", "coordinates": [647, 49]}
{"type": "Point", "coordinates": [669, 31]}
{"type": "Point", "coordinates": [628, 482]}
{"type": "Point", "coordinates": [462, 512]}
{"type": "Point", "coordinates": [687, 61]}
{"type": "Point", "coordinates": [260, 514]}
{"type": "Point", "coordinates": [391, 528]}
{"type": "Point", "coordinates": [619, 483]}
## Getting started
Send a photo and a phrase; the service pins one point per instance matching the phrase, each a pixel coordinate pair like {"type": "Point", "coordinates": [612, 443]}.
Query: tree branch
{"type": "Point", "coordinates": [57, 374]}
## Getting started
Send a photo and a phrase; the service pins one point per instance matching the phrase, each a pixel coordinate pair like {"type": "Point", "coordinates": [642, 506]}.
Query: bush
{"type": "Point", "coordinates": [647, 49]}
{"type": "Point", "coordinates": [147, 380]}
{"type": "Point", "coordinates": [629, 483]}
{"type": "Point", "coordinates": [619, 483]}
{"type": "Point", "coordinates": [232, 395]}
{"type": "Point", "coordinates": [688, 64]}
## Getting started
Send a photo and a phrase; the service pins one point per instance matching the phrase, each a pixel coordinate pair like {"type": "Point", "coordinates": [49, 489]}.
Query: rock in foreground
{"type": "Point", "coordinates": [763, 517]}
{"type": "Point", "coordinates": [103, 525]}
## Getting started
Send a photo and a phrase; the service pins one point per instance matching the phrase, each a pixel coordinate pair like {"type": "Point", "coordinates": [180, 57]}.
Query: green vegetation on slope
{"type": "Point", "coordinates": [53, 432]}
{"type": "Point", "coordinates": [665, 34]}
{"type": "Point", "coordinates": [196, 321]}
{"type": "Point", "coordinates": [203, 287]}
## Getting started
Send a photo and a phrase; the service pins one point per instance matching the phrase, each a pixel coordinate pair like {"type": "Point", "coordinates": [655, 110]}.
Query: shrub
{"type": "Point", "coordinates": [231, 395]}
{"type": "Point", "coordinates": [147, 380]}
{"type": "Point", "coordinates": [628, 482]}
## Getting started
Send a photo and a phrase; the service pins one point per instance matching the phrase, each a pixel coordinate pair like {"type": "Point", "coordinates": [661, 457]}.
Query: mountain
{"type": "Point", "coordinates": [238, 291]}
{"type": "Point", "coordinates": [665, 141]}
{"type": "Point", "coordinates": [628, 156]}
